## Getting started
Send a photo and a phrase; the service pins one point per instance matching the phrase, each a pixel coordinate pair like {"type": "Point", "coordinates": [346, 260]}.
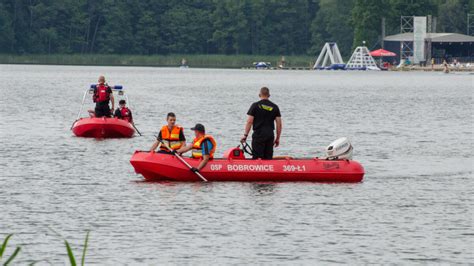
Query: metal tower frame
{"type": "Point", "coordinates": [429, 24]}
{"type": "Point", "coordinates": [429, 29]}
{"type": "Point", "coordinates": [470, 24]}
{"type": "Point", "coordinates": [406, 25]}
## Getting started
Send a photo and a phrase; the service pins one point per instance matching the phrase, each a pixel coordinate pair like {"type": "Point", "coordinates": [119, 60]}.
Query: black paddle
{"type": "Point", "coordinates": [133, 124]}
{"type": "Point", "coordinates": [183, 161]}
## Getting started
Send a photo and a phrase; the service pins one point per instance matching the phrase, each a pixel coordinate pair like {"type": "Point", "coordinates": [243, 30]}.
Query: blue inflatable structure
{"type": "Point", "coordinates": [332, 67]}
{"type": "Point", "coordinates": [262, 65]}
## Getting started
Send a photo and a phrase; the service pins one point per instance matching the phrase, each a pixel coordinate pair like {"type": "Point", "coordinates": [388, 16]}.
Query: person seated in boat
{"type": "Point", "coordinates": [171, 135]}
{"type": "Point", "coordinates": [123, 112]}
{"type": "Point", "coordinates": [102, 96]}
{"type": "Point", "coordinates": [203, 147]}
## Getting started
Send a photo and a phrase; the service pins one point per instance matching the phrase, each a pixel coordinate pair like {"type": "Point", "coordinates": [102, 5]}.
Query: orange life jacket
{"type": "Point", "coordinates": [197, 146]}
{"type": "Point", "coordinates": [171, 138]}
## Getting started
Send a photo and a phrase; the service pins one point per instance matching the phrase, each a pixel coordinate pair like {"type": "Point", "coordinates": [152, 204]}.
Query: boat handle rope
{"type": "Point", "coordinates": [247, 149]}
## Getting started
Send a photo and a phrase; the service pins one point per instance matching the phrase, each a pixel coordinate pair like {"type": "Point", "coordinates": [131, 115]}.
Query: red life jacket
{"type": "Point", "coordinates": [126, 114]}
{"type": "Point", "coordinates": [101, 93]}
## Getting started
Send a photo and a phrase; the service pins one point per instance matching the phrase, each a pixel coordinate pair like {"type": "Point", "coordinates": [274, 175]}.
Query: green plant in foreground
{"type": "Point", "coordinates": [4, 246]}
{"type": "Point", "coordinates": [72, 259]}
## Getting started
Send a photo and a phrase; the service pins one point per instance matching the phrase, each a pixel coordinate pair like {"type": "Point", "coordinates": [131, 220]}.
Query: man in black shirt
{"type": "Point", "coordinates": [262, 116]}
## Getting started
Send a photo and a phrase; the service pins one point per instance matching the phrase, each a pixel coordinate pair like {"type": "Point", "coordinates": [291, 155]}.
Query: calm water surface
{"type": "Point", "coordinates": [413, 132]}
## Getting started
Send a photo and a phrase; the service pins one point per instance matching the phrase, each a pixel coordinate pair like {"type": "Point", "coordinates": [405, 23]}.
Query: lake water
{"type": "Point", "coordinates": [412, 131]}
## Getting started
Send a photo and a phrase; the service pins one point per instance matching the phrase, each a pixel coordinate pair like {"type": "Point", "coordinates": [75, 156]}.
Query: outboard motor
{"type": "Point", "coordinates": [339, 149]}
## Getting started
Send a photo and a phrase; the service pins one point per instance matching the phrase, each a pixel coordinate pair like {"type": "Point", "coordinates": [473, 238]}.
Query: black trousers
{"type": "Point", "coordinates": [102, 110]}
{"type": "Point", "coordinates": [263, 147]}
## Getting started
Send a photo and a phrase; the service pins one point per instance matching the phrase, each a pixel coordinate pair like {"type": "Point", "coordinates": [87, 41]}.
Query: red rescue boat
{"type": "Point", "coordinates": [234, 167]}
{"type": "Point", "coordinates": [103, 127]}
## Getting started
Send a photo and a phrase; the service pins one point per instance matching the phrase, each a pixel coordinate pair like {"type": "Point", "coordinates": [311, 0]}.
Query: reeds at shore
{"type": "Point", "coordinates": [174, 60]}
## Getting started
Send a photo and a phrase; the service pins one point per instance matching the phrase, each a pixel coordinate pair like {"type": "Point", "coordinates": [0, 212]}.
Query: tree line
{"type": "Point", "coordinates": [255, 27]}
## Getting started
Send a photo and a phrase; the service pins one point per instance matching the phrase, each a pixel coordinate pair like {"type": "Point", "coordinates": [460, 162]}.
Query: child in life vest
{"type": "Point", "coordinates": [123, 112]}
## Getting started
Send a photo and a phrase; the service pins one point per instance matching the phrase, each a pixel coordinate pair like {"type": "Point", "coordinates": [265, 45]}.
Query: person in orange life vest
{"type": "Point", "coordinates": [171, 134]}
{"type": "Point", "coordinates": [102, 96]}
{"type": "Point", "coordinates": [123, 112]}
{"type": "Point", "coordinates": [203, 147]}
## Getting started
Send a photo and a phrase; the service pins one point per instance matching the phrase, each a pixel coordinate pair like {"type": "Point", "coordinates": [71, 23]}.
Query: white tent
{"type": "Point", "coordinates": [361, 59]}
{"type": "Point", "coordinates": [330, 52]}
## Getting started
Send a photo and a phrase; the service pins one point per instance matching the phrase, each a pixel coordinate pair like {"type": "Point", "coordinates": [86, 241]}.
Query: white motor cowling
{"type": "Point", "coordinates": [339, 149]}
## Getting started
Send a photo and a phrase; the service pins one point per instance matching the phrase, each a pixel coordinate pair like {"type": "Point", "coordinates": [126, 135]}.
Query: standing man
{"type": "Point", "coordinates": [171, 134]}
{"type": "Point", "coordinates": [102, 96]}
{"type": "Point", "coordinates": [262, 115]}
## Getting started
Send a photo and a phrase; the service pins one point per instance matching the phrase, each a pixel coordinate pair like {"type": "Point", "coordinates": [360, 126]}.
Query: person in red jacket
{"type": "Point", "coordinates": [102, 96]}
{"type": "Point", "coordinates": [123, 112]}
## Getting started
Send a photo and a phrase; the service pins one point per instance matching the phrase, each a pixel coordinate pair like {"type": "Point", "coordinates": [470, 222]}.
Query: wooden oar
{"type": "Point", "coordinates": [183, 161]}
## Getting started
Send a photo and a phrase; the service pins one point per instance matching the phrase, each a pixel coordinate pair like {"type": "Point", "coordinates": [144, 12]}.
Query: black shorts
{"type": "Point", "coordinates": [263, 147]}
{"type": "Point", "coordinates": [102, 110]}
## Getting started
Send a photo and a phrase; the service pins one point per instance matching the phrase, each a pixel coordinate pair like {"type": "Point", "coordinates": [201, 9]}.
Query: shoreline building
{"type": "Point", "coordinates": [439, 46]}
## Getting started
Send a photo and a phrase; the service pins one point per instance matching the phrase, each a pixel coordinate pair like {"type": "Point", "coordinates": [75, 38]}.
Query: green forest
{"type": "Point", "coordinates": [229, 27]}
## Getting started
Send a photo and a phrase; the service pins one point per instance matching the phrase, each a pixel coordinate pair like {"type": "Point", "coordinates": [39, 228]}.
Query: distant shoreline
{"type": "Point", "coordinates": [193, 61]}
{"type": "Point", "coordinates": [299, 62]}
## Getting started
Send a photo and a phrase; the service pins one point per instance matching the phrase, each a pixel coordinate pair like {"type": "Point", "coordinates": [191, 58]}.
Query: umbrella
{"type": "Point", "coordinates": [381, 52]}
